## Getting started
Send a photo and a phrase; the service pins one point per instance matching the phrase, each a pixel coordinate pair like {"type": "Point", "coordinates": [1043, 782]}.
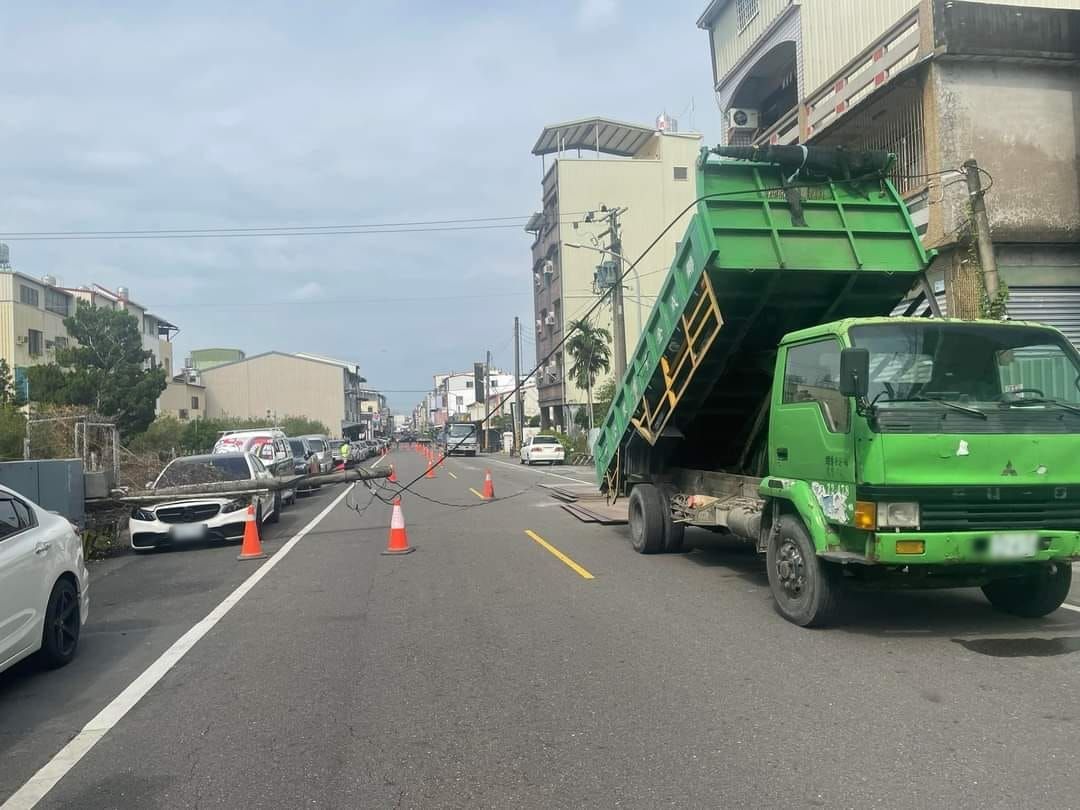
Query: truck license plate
{"type": "Point", "coordinates": [1012, 546]}
{"type": "Point", "coordinates": [190, 531]}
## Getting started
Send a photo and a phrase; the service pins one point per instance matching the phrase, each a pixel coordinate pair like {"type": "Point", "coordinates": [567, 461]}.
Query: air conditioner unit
{"type": "Point", "coordinates": [49, 344]}
{"type": "Point", "coordinates": [539, 328]}
{"type": "Point", "coordinates": [550, 319]}
{"type": "Point", "coordinates": [21, 340]}
{"type": "Point", "coordinates": [549, 267]}
{"type": "Point", "coordinates": [741, 118]}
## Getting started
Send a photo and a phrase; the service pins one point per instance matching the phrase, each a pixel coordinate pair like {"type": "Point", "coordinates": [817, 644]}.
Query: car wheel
{"type": "Point", "coordinates": [60, 637]}
{"type": "Point", "coordinates": [521, 460]}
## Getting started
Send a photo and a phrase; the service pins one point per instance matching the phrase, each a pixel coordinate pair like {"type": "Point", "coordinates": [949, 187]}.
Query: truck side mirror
{"type": "Point", "coordinates": [855, 373]}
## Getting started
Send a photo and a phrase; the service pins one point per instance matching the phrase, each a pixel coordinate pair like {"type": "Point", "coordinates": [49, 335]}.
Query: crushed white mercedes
{"type": "Point", "coordinates": [204, 518]}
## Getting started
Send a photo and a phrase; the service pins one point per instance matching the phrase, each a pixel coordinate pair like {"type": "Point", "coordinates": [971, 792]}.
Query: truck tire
{"type": "Point", "coordinates": [646, 519]}
{"type": "Point", "coordinates": [805, 587]}
{"type": "Point", "coordinates": [1034, 595]}
{"type": "Point", "coordinates": [674, 533]}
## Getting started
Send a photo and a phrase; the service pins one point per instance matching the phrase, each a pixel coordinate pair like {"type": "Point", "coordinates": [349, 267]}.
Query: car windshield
{"type": "Point", "coordinates": [317, 445]}
{"type": "Point", "coordinates": [981, 363]}
{"type": "Point", "coordinates": [204, 470]}
{"type": "Point", "coordinates": [297, 447]}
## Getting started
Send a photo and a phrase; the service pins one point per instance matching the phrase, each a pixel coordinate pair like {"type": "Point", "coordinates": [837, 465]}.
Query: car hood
{"type": "Point", "coordinates": [191, 502]}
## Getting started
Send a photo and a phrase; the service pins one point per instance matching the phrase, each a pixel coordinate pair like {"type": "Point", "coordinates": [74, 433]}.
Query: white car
{"type": "Point", "coordinates": [542, 448]}
{"type": "Point", "coordinates": [44, 586]}
{"type": "Point", "coordinates": [270, 446]}
{"type": "Point", "coordinates": [217, 517]}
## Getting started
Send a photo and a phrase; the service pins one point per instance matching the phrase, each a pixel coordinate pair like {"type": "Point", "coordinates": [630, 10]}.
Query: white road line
{"type": "Point", "coordinates": [38, 786]}
{"type": "Point", "coordinates": [378, 461]}
{"type": "Point", "coordinates": [1074, 608]}
{"type": "Point", "coordinates": [557, 475]}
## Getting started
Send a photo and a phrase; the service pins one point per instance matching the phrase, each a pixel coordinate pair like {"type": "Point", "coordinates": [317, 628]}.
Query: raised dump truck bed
{"type": "Point", "coordinates": [757, 261]}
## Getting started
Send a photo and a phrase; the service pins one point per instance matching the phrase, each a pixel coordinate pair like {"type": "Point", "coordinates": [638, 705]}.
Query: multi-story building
{"type": "Point", "coordinates": [649, 175]}
{"type": "Point", "coordinates": [32, 313]}
{"type": "Point", "coordinates": [184, 397]}
{"type": "Point", "coordinates": [274, 385]}
{"type": "Point", "coordinates": [937, 82]}
{"type": "Point", "coordinates": [455, 393]}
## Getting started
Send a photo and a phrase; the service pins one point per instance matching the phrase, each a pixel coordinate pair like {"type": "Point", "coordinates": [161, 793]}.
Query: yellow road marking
{"type": "Point", "coordinates": [451, 475]}
{"type": "Point", "coordinates": [569, 563]}
{"type": "Point", "coordinates": [477, 494]}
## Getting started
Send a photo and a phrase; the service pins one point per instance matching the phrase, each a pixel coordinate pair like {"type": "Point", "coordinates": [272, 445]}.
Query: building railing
{"type": "Point", "coordinates": [888, 55]}
{"type": "Point", "coordinates": [783, 133]}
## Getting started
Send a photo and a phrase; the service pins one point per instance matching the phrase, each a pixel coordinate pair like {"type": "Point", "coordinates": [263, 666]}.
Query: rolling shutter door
{"type": "Point", "coordinates": [1056, 306]}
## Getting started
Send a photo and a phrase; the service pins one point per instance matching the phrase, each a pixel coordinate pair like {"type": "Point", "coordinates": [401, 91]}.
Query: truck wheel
{"type": "Point", "coordinates": [674, 533]}
{"type": "Point", "coordinates": [646, 519]}
{"type": "Point", "coordinates": [1034, 595]}
{"type": "Point", "coordinates": [804, 586]}
{"type": "Point", "coordinates": [275, 516]}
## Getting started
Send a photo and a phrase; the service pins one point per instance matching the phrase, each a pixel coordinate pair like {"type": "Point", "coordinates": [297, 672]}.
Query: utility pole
{"type": "Point", "coordinates": [618, 321]}
{"type": "Point", "coordinates": [487, 401]}
{"type": "Point", "coordinates": [519, 416]}
{"type": "Point", "coordinates": [983, 243]}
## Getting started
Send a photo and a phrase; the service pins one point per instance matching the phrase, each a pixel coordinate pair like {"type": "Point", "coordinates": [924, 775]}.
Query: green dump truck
{"type": "Point", "coordinates": [771, 397]}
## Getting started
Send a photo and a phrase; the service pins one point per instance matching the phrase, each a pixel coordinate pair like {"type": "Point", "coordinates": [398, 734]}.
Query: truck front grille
{"type": "Point", "coordinates": [960, 509]}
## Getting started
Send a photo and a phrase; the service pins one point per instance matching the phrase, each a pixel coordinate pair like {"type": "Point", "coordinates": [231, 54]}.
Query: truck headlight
{"type": "Point", "coordinates": [898, 515]}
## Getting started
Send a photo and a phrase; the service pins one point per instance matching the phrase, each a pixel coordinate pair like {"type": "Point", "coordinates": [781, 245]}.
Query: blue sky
{"type": "Point", "coordinates": [192, 115]}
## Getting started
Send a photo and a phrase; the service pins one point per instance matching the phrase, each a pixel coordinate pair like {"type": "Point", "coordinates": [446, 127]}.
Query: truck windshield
{"type": "Point", "coordinates": [461, 431]}
{"type": "Point", "coordinates": [977, 363]}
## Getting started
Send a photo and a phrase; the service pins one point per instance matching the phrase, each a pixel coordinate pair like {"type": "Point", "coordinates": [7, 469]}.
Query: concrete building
{"type": "Point", "coordinates": [202, 359]}
{"type": "Point", "coordinates": [184, 397]}
{"type": "Point", "coordinates": [601, 162]}
{"type": "Point", "coordinates": [274, 385]}
{"type": "Point", "coordinates": [454, 393]}
{"type": "Point", "coordinates": [32, 313]}
{"type": "Point", "coordinates": [936, 82]}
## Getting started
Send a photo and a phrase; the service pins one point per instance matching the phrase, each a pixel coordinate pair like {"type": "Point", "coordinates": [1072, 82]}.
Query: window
{"type": "Point", "coordinates": [681, 173]}
{"type": "Point", "coordinates": [813, 375]}
{"type": "Point", "coordinates": [183, 414]}
{"type": "Point", "coordinates": [60, 342]}
{"type": "Point", "coordinates": [58, 302]}
{"type": "Point", "coordinates": [746, 11]}
{"type": "Point", "coordinates": [36, 341]}
{"type": "Point", "coordinates": [468, 383]}
{"type": "Point", "coordinates": [14, 517]}
{"type": "Point", "coordinates": [194, 403]}
{"type": "Point", "coordinates": [28, 295]}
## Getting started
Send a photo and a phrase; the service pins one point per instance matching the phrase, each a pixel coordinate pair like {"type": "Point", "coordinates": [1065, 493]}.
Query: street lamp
{"type": "Point", "coordinates": [622, 259]}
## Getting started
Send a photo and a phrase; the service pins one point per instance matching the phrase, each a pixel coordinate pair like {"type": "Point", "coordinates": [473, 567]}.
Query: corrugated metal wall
{"type": "Point", "coordinates": [1057, 306]}
{"type": "Point", "coordinates": [835, 31]}
{"type": "Point", "coordinates": [729, 43]}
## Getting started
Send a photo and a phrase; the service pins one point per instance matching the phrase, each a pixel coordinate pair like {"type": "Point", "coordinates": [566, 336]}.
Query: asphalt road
{"type": "Point", "coordinates": [488, 670]}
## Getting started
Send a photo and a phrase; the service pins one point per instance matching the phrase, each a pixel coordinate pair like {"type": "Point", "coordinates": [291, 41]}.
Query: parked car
{"type": "Point", "coordinates": [269, 445]}
{"type": "Point", "coordinates": [320, 446]}
{"type": "Point", "coordinates": [304, 462]}
{"type": "Point", "coordinates": [44, 585]}
{"type": "Point", "coordinates": [200, 518]}
{"type": "Point", "coordinates": [542, 448]}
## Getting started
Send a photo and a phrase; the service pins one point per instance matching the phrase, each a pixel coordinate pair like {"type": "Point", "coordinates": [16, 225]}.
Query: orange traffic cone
{"type": "Point", "coordinates": [430, 469]}
{"type": "Point", "coordinates": [251, 549]}
{"type": "Point", "coordinates": [399, 538]}
{"type": "Point", "coordinates": [489, 486]}
{"type": "Point", "coordinates": [392, 477]}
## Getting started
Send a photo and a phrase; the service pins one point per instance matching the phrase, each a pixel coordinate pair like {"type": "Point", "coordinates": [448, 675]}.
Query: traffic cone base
{"type": "Point", "coordinates": [392, 478]}
{"type": "Point", "coordinates": [251, 548]}
{"type": "Point", "coordinates": [398, 542]}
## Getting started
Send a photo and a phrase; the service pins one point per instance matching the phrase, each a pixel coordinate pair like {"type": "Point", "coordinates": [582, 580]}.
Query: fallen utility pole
{"type": "Point", "coordinates": [220, 489]}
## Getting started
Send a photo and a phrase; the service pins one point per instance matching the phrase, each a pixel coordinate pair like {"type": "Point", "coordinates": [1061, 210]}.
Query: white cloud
{"type": "Point", "coordinates": [597, 13]}
{"type": "Point", "coordinates": [307, 292]}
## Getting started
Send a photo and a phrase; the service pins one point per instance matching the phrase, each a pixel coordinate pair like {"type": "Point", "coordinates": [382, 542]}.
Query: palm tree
{"type": "Point", "coordinates": [588, 345]}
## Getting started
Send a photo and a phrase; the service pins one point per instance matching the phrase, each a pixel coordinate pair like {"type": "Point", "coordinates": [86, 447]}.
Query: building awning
{"type": "Point", "coordinates": [598, 134]}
